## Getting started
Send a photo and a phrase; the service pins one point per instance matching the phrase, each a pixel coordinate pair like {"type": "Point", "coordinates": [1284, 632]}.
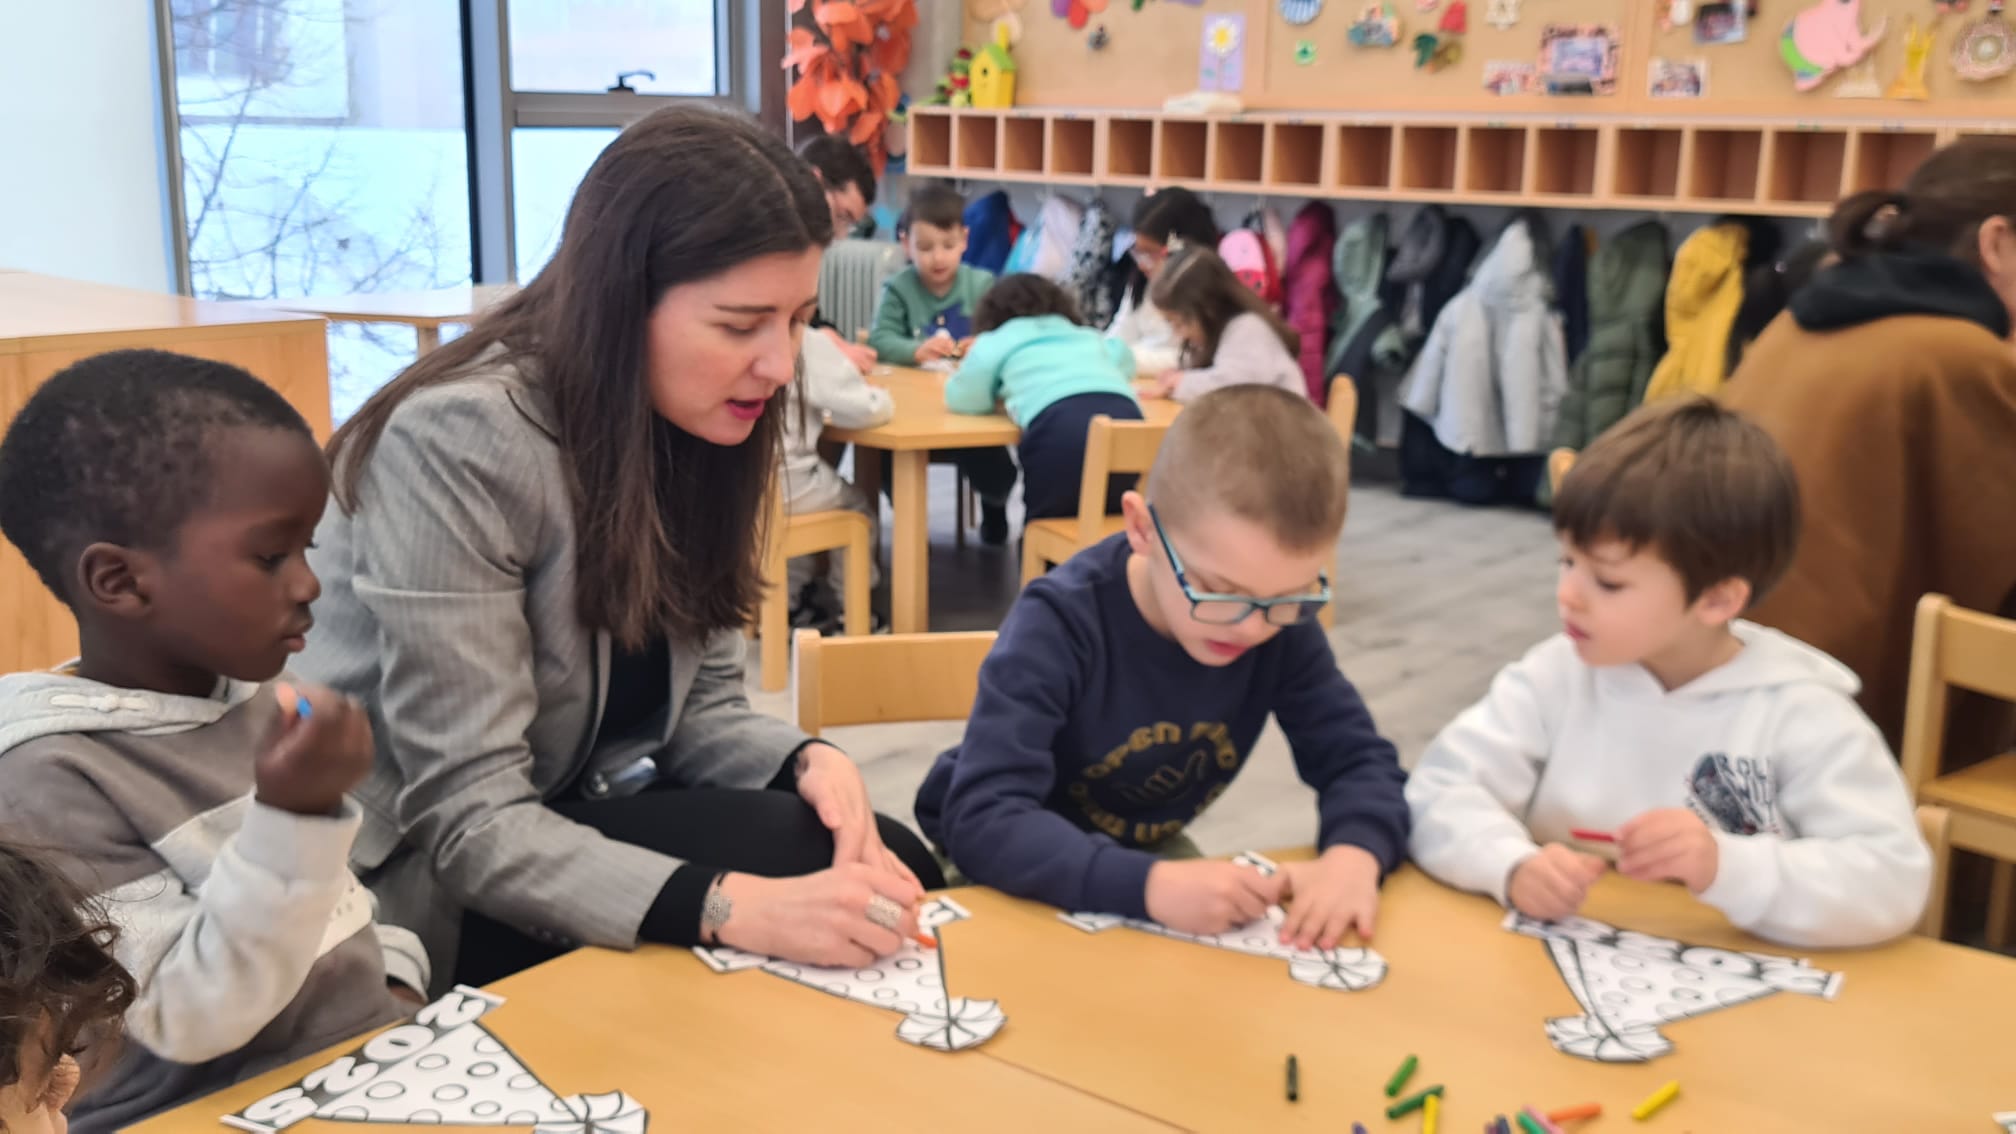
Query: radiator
{"type": "Point", "coordinates": [850, 281]}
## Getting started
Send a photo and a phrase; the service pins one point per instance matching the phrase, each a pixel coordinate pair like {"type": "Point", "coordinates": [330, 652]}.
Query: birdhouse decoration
{"type": "Point", "coordinates": [992, 76]}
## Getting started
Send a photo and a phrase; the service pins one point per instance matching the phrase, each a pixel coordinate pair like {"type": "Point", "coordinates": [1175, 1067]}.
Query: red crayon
{"type": "Point", "coordinates": [1581, 835]}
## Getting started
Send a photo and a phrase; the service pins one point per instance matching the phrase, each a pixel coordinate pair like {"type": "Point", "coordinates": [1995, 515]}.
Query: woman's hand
{"type": "Point", "coordinates": [828, 918]}
{"type": "Point", "coordinates": [831, 783]}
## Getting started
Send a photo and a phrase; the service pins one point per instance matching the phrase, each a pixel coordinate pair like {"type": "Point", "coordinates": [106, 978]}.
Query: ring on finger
{"type": "Point", "coordinates": [885, 913]}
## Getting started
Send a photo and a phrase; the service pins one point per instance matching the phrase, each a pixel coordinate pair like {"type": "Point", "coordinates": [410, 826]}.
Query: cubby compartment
{"type": "Point", "coordinates": [974, 139]}
{"type": "Point", "coordinates": [1564, 161]}
{"type": "Point", "coordinates": [1364, 157]}
{"type": "Point", "coordinates": [1648, 162]}
{"type": "Point", "coordinates": [1236, 150]}
{"type": "Point", "coordinates": [930, 141]}
{"type": "Point", "coordinates": [1806, 165]}
{"type": "Point", "coordinates": [1725, 164]}
{"type": "Point", "coordinates": [1294, 154]}
{"type": "Point", "coordinates": [1022, 143]}
{"type": "Point", "coordinates": [1884, 159]}
{"type": "Point", "coordinates": [1071, 147]}
{"type": "Point", "coordinates": [1130, 148]}
{"type": "Point", "coordinates": [1180, 148]}
{"type": "Point", "coordinates": [1494, 159]}
{"type": "Point", "coordinates": [1428, 158]}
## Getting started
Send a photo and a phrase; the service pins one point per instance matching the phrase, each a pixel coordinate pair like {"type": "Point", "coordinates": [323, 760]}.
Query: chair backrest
{"type": "Point", "coordinates": [887, 678]}
{"type": "Point", "coordinates": [1342, 408]}
{"type": "Point", "coordinates": [1112, 448]}
{"type": "Point", "coordinates": [850, 281]}
{"type": "Point", "coordinates": [1558, 463]}
{"type": "Point", "coordinates": [1951, 646]}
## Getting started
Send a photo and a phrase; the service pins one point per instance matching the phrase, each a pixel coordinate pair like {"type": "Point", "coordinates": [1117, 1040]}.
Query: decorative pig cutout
{"type": "Point", "coordinates": [1825, 38]}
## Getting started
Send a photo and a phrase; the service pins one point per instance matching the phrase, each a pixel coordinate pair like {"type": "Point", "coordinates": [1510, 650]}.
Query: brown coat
{"type": "Point", "coordinates": [1903, 432]}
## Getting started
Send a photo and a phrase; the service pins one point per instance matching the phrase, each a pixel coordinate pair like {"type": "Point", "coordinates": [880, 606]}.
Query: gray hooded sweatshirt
{"type": "Point", "coordinates": [252, 943]}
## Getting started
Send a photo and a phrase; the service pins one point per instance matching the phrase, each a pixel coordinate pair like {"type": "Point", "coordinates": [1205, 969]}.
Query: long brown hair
{"type": "Point", "coordinates": [1197, 285]}
{"type": "Point", "coordinates": [1942, 205]}
{"type": "Point", "coordinates": [670, 527]}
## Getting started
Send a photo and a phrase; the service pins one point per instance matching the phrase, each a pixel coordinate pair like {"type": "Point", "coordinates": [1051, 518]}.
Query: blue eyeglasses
{"type": "Point", "coordinates": [1229, 610]}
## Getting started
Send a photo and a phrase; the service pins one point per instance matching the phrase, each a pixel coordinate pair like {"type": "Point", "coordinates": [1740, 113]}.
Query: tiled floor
{"type": "Point", "coordinates": [1432, 598]}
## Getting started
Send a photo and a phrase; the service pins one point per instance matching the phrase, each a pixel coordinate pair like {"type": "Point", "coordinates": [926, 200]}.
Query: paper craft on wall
{"type": "Point", "coordinates": [1825, 38]}
{"type": "Point", "coordinates": [1299, 12]}
{"type": "Point", "coordinates": [1630, 983]}
{"type": "Point", "coordinates": [911, 981]}
{"type": "Point", "coordinates": [1509, 76]}
{"type": "Point", "coordinates": [1077, 12]}
{"type": "Point", "coordinates": [1985, 49]}
{"type": "Point", "coordinates": [442, 1069]}
{"type": "Point", "coordinates": [1377, 26]}
{"type": "Point", "coordinates": [1502, 14]}
{"type": "Point", "coordinates": [1343, 969]}
{"type": "Point", "coordinates": [1578, 59]}
{"type": "Point", "coordinates": [1722, 22]}
{"type": "Point", "coordinates": [1221, 58]}
{"type": "Point", "coordinates": [1305, 52]}
{"type": "Point", "coordinates": [1860, 81]}
{"type": "Point", "coordinates": [1910, 80]}
{"type": "Point", "coordinates": [1678, 78]}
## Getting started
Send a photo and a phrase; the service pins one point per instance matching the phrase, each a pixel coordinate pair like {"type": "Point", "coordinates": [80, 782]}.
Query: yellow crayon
{"type": "Point", "coordinates": [1657, 1099]}
{"type": "Point", "coordinates": [1431, 1112]}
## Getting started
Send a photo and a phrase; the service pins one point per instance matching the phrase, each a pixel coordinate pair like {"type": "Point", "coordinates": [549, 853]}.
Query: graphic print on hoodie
{"type": "Point", "coordinates": [1816, 838]}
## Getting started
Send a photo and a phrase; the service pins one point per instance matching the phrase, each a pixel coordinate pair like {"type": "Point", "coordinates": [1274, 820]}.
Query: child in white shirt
{"type": "Point", "coordinates": [1722, 755]}
{"type": "Point", "coordinates": [830, 390]}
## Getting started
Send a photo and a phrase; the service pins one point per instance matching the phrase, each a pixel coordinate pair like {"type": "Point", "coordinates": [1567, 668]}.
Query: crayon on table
{"type": "Point", "coordinates": [1573, 1113]}
{"type": "Point", "coordinates": [1400, 1076]}
{"type": "Point", "coordinates": [1657, 1099]}
{"type": "Point", "coordinates": [1500, 1126]}
{"type": "Point", "coordinates": [1412, 1102]}
{"type": "Point", "coordinates": [1527, 1124]}
{"type": "Point", "coordinates": [1431, 1114]}
{"type": "Point", "coordinates": [1545, 1124]}
{"type": "Point", "coordinates": [1294, 1088]}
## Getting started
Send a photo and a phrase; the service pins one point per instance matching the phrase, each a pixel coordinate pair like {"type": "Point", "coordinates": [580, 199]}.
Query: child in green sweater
{"type": "Point", "coordinates": [926, 310]}
{"type": "Point", "coordinates": [1032, 351]}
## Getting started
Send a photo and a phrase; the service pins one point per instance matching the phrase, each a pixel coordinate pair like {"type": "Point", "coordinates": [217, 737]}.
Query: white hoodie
{"type": "Point", "coordinates": [1817, 838]}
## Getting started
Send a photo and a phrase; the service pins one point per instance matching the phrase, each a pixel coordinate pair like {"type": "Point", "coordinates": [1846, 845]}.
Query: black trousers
{"type": "Point", "coordinates": [991, 471]}
{"type": "Point", "coordinates": [771, 833]}
{"type": "Point", "coordinates": [1053, 454]}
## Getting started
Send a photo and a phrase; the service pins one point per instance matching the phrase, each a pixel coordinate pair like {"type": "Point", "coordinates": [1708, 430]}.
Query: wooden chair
{"type": "Point", "coordinates": [1343, 412]}
{"type": "Point", "coordinates": [841, 530]}
{"type": "Point", "coordinates": [1558, 463]}
{"type": "Point", "coordinates": [1976, 806]}
{"type": "Point", "coordinates": [886, 679]}
{"type": "Point", "coordinates": [1111, 448]}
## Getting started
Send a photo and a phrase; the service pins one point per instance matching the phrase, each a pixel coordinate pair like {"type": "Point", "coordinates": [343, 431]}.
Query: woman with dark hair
{"type": "Point", "coordinates": [1890, 381]}
{"type": "Point", "coordinates": [545, 550]}
{"type": "Point", "coordinates": [1165, 221]}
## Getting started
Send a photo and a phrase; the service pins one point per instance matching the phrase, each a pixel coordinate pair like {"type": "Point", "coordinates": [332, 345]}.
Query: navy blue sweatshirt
{"type": "Point", "coordinates": [1094, 736]}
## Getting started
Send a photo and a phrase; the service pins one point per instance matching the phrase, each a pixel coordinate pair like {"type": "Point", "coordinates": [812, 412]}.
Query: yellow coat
{"type": "Point", "coordinates": [1702, 297]}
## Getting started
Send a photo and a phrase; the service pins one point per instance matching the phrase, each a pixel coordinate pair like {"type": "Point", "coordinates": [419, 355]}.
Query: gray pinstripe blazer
{"type": "Point", "coordinates": [448, 610]}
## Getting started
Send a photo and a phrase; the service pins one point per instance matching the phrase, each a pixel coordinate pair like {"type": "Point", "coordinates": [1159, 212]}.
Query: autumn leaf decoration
{"type": "Point", "coordinates": [847, 54]}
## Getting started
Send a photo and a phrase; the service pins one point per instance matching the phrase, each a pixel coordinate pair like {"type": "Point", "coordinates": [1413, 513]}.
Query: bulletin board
{"type": "Point", "coordinates": [1153, 52]}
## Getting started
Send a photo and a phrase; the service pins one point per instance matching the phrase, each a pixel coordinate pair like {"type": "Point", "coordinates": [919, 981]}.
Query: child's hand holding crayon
{"type": "Point", "coordinates": [1205, 897]}
{"type": "Point", "coordinates": [320, 749]}
{"type": "Point", "coordinates": [1554, 882]}
{"type": "Point", "coordinates": [1671, 844]}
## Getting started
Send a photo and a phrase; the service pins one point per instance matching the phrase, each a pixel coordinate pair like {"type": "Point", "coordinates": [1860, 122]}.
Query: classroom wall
{"type": "Point", "coordinates": [80, 142]}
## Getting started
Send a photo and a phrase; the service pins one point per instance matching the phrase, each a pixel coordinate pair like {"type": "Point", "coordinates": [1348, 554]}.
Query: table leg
{"type": "Point", "coordinates": [868, 479]}
{"type": "Point", "coordinates": [910, 549]}
{"type": "Point", "coordinates": [428, 337]}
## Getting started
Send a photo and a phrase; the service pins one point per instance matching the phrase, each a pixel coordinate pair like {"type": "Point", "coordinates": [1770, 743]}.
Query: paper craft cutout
{"type": "Point", "coordinates": [1985, 49]}
{"type": "Point", "coordinates": [1377, 26]}
{"type": "Point", "coordinates": [1630, 983]}
{"type": "Point", "coordinates": [2008, 1120]}
{"type": "Point", "coordinates": [1823, 39]}
{"type": "Point", "coordinates": [1341, 969]}
{"type": "Point", "coordinates": [1860, 81]}
{"type": "Point", "coordinates": [911, 981]}
{"type": "Point", "coordinates": [442, 1069]}
{"type": "Point", "coordinates": [1305, 52]}
{"type": "Point", "coordinates": [1502, 14]}
{"type": "Point", "coordinates": [1578, 59]}
{"type": "Point", "coordinates": [1678, 78]}
{"type": "Point", "coordinates": [1910, 80]}
{"type": "Point", "coordinates": [1221, 59]}
{"type": "Point", "coordinates": [1509, 76]}
{"type": "Point", "coordinates": [1722, 23]}
{"type": "Point", "coordinates": [1299, 12]}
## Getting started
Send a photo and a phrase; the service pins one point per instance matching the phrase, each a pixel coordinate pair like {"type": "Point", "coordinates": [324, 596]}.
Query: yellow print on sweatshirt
{"type": "Point", "coordinates": [1154, 770]}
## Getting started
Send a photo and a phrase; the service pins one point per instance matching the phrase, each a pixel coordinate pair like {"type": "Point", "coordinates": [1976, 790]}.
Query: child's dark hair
{"type": "Point", "coordinates": [1019, 296]}
{"type": "Point", "coordinates": [840, 163]}
{"type": "Point", "coordinates": [115, 449]}
{"type": "Point", "coordinates": [60, 987]}
{"type": "Point", "coordinates": [1766, 291]}
{"type": "Point", "coordinates": [933, 203]}
{"type": "Point", "coordinates": [1707, 490]}
{"type": "Point", "coordinates": [1941, 207]}
{"type": "Point", "coordinates": [1171, 216]}
{"type": "Point", "coordinates": [1198, 286]}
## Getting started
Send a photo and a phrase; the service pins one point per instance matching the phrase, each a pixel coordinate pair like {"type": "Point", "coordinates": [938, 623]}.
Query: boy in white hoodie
{"type": "Point", "coordinates": [1722, 755]}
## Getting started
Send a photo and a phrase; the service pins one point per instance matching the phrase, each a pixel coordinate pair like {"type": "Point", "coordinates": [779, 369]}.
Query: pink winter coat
{"type": "Point", "coordinates": [1309, 295]}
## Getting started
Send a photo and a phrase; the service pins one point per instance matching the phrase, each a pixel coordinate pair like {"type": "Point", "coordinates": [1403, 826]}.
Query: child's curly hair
{"type": "Point", "coordinates": [59, 984]}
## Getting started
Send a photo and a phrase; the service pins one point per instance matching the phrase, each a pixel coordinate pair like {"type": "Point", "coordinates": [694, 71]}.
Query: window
{"type": "Point", "coordinates": [546, 166]}
{"type": "Point", "coordinates": [581, 46]}
{"type": "Point", "coordinates": [324, 153]}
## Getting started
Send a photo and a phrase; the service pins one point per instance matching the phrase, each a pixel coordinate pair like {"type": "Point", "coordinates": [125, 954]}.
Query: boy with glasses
{"type": "Point", "coordinates": [1128, 687]}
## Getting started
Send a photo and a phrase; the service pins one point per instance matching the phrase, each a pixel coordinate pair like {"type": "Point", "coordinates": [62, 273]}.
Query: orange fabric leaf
{"type": "Point", "coordinates": [836, 12]}
{"type": "Point", "coordinates": [866, 126]}
{"type": "Point", "coordinates": [803, 99]}
{"type": "Point", "coordinates": [891, 54]}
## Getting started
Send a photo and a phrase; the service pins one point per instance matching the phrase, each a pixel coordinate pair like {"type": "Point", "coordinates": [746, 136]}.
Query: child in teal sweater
{"type": "Point", "coordinates": [926, 311]}
{"type": "Point", "coordinates": [1032, 351]}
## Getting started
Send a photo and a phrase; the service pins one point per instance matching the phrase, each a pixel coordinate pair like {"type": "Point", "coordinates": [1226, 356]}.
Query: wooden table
{"type": "Point", "coordinates": [424, 311]}
{"type": "Point", "coordinates": [922, 423]}
{"type": "Point", "coordinates": [48, 323]}
{"type": "Point", "coordinates": [744, 1051]}
{"type": "Point", "coordinates": [1918, 1038]}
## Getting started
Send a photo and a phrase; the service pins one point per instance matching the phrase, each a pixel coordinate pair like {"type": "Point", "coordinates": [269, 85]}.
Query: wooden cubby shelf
{"type": "Point", "coordinates": [1782, 168]}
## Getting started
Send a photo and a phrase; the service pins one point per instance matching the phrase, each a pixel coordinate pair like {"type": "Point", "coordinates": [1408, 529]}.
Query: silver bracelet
{"type": "Point", "coordinates": [714, 911]}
